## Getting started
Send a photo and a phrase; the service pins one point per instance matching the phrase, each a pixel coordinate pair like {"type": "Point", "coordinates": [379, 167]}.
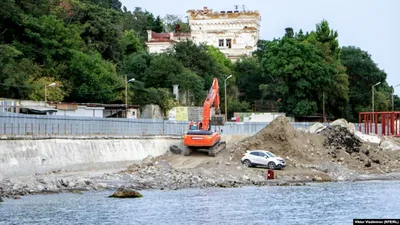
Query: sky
{"type": "Point", "coordinates": [372, 25]}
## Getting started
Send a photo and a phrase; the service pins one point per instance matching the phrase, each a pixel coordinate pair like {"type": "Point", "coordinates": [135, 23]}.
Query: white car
{"type": "Point", "coordinates": [262, 158]}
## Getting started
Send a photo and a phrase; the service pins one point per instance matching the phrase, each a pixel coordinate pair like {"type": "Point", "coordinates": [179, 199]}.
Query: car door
{"type": "Point", "coordinates": [263, 158]}
{"type": "Point", "coordinates": [254, 158]}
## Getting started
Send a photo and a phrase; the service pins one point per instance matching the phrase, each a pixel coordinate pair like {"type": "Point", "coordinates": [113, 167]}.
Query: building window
{"type": "Point", "coordinates": [229, 43]}
{"type": "Point", "coordinates": [221, 42]}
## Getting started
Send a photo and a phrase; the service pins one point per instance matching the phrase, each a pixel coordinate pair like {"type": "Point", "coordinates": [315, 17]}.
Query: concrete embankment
{"type": "Point", "coordinates": [20, 157]}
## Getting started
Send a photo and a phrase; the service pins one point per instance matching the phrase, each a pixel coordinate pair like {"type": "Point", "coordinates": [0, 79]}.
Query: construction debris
{"type": "Point", "coordinates": [339, 136]}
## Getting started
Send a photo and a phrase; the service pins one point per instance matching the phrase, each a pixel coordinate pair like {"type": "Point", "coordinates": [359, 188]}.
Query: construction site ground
{"type": "Point", "coordinates": [334, 154]}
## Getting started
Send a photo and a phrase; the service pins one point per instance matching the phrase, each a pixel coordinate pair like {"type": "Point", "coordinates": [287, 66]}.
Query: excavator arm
{"type": "Point", "coordinates": [211, 100]}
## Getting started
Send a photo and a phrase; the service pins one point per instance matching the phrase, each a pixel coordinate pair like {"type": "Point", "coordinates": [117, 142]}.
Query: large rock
{"type": "Point", "coordinates": [1, 200]}
{"type": "Point", "coordinates": [123, 192]}
{"type": "Point", "coordinates": [367, 138]}
{"type": "Point", "coordinates": [340, 122]}
{"type": "Point", "coordinates": [316, 127]}
{"type": "Point", "coordinates": [389, 145]}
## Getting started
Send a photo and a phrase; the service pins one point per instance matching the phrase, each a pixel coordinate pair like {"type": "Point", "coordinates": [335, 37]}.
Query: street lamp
{"type": "Point", "coordinates": [393, 96]}
{"type": "Point", "coordinates": [373, 108]}
{"type": "Point", "coordinates": [226, 99]}
{"type": "Point", "coordinates": [45, 91]}
{"type": "Point", "coordinates": [126, 93]}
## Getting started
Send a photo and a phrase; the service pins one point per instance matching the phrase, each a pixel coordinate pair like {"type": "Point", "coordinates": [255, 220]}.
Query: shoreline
{"type": "Point", "coordinates": [73, 182]}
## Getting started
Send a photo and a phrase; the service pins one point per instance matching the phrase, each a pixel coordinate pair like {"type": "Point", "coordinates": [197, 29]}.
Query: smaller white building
{"type": "Point", "coordinates": [80, 111]}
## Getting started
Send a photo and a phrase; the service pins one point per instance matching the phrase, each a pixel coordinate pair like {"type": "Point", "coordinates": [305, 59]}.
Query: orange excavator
{"type": "Point", "coordinates": [200, 137]}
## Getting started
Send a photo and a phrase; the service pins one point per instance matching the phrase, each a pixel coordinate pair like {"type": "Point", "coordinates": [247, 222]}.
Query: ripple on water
{"type": "Point", "coordinates": [325, 203]}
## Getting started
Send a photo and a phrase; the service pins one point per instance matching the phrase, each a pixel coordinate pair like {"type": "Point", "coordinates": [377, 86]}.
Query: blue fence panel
{"type": "Point", "coordinates": [22, 124]}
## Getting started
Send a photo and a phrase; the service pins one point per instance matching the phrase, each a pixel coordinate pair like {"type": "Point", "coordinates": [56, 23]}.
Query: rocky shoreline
{"type": "Point", "coordinates": [160, 175]}
{"type": "Point", "coordinates": [335, 154]}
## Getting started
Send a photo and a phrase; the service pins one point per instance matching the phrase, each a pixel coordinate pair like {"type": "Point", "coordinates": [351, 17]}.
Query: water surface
{"type": "Point", "coordinates": [326, 203]}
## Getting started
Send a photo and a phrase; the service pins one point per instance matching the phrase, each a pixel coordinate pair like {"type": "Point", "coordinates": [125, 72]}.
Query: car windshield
{"type": "Point", "coordinates": [270, 154]}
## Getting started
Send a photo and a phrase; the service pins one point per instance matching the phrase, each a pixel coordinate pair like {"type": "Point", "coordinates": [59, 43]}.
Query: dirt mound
{"type": "Point", "coordinates": [338, 136]}
{"type": "Point", "coordinates": [281, 138]}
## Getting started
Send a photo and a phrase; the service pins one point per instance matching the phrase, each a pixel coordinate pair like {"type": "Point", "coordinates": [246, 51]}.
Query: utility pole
{"type": "Point", "coordinates": [126, 94]}
{"type": "Point", "coordinates": [45, 92]}
{"type": "Point", "coordinates": [393, 101]}
{"type": "Point", "coordinates": [226, 99]}
{"type": "Point", "coordinates": [323, 107]}
{"type": "Point", "coordinates": [393, 96]}
{"type": "Point", "coordinates": [373, 99]}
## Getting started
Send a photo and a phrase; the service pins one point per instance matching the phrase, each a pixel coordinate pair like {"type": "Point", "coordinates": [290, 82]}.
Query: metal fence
{"type": "Point", "coordinates": [41, 125]}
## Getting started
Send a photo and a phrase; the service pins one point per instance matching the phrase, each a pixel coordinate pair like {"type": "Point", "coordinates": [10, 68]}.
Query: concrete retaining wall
{"type": "Point", "coordinates": [27, 157]}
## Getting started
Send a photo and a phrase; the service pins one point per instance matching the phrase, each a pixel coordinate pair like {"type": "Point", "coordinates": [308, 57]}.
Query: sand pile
{"type": "Point", "coordinates": [281, 138]}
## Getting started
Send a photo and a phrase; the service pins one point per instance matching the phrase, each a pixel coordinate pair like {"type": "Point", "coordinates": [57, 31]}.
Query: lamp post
{"type": "Point", "coordinates": [373, 99]}
{"type": "Point", "coordinates": [393, 96]}
{"type": "Point", "coordinates": [126, 94]}
{"type": "Point", "coordinates": [45, 92]}
{"type": "Point", "coordinates": [226, 99]}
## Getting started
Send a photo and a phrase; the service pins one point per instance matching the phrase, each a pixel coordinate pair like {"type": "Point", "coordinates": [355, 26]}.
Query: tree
{"type": "Point", "coordinates": [37, 92]}
{"type": "Point", "coordinates": [142, 21]}
{"type": "Point", "coordinates": [160, 71]}
{"type": "Point", "coordinates": [48, 39]}
{"type": "Point", "coordinates": [235, 105]}
{"type": "Point", "coordinates": [363, 73]}
{"type": "Point", "coordinates": [299, 73]}
{"type": "Point", "coordinates": [101, 30]}
{"type": "Point", "coordinates": [131, 43]}
{"type": "Point", "coordinates": [197, 59]}
{"type": "Point", "coordinates": [249, 76]}
{"type": "Point", "coordinates": [15, 72]}
{"type": "Point", "coordinates": [93, 79]}
{"type": "Point", "coordinates": [172, 22]}
{"type": "Point", "coordinates": [336, 96]}
{"type": "Point", "coordinates": [223, 64]}
{"type": "Point", "coordinates": [136, 64]}
{"type": "Point", "coordinates": [157, 25]}
{"type": "Point", "coordinates": [396, 103]}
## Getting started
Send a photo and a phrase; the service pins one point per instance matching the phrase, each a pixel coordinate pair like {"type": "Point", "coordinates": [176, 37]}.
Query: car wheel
{"type": "Point", "coordinates": [271, 165]}
{"type": "Point", "coordinates": [247, 163]}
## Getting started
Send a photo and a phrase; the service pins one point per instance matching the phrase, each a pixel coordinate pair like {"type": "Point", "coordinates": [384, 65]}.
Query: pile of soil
{"type": "Point", "coordinates": [338, 136]}
{"type": "Point", "coordinates": [282, 139]}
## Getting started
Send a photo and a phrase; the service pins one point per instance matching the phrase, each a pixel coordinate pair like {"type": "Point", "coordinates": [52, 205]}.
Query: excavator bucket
{"type": "Point", "coordinates": [217, 120]}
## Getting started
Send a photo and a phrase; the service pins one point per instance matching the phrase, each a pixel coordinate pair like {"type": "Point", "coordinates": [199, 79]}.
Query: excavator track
{"type": "Point", "coordinates": [187, 151]}
{"type": "Point", "coordinates": [217, 148]}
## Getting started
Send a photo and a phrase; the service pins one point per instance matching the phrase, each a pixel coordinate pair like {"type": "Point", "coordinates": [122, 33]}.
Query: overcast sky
{"type": "Point", "coordinates": [372, 25]}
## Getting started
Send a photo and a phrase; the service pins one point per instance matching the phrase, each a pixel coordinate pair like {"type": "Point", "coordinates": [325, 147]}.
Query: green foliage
{"type": "Point", "coordinates": [48, 39]}
{"type": "Point", "coordinates": [299, 75]}
{"type": "Point", "coordinates": [37, 92]}
{"type": "Point", "coordinates": [161, 69]}
{"type": "Point", "coordinates": [136, 64]}
{"type": "Point", "coordinates": [172, 21]}
{"type": "Point", "coordinates": [363, 73]}
{"type": "Point", "coordinates": [101, 30]}
{"type": "Point", "coordinates": [15, 72]}
{"type": "Point", "coordinates": [223, 64]}
{"type": "Point", "coordinates": [131, 43]}
{"type": "Point", "coordinates": [248, 73]}
{"type": "Point", "coordinates": [235, 105]}
{"type": "Point", "coordinates": [141, 21]}
{"type": "Point", "coordinates": [93, 79]}
{"type": "Point", "coordinates": [396, 103]}
{"type": "Point", "coordinates": [88, 46]}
